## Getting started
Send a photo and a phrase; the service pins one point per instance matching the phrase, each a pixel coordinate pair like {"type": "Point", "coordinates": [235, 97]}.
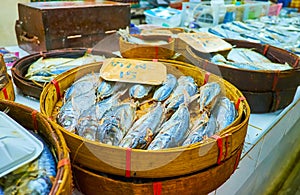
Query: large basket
{"type": "Point", "coordinates": [266, 91]}
{"type": "Point", "coordinates": [7, 92]}
{"type": "Point", "coordinates": [132, 50]}
{"type": "Point", "coordinates": [142, 163]}
{"type": "Point", "coordinates": [34, 89]}
{"type": "Point", "coordinates": [201, 182]}
{"type": "Point", "coordinates": [33, 120]}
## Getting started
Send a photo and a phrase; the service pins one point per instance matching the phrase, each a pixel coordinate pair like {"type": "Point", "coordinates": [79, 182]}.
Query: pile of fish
{"type": "Point", "coordinates": [141, 116]}
{"type": "Point", "coordinates": [248, 59]}
{"type": "Point", "coordinates": [276, 31]}
{"type": "Point", "coordinates": [36, 177]}
{"type": "Point", "coordinates": [46, 69]}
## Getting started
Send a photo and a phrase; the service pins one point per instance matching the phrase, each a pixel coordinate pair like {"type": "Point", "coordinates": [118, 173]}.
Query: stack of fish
{"type": "Point", "coordinates": [140, 116]}
{"type": "Point", "coordinates": [275, 31]}
{"type": "Point", "coordinates": [35, 177]}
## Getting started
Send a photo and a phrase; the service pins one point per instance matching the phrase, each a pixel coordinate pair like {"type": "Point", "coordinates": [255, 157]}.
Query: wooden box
{"type": "Point", "coordinates": [44, 26]}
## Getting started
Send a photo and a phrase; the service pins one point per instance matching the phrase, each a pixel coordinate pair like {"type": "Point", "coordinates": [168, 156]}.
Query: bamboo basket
{"type": "Point", "coordinates": [142, 163]}
{"type": "Point", "coordinates": [131, 50]}
{"type": "Point", "coordinates": [33, 120]}
{"type": "Point", "coordinates": [267, 91]}
{"type": "Point", "coordinates": [7, 92]}
{"type": "Point", "coordinates": [34, 89]}
{"type": "Point", "coordinates": [202, 182]}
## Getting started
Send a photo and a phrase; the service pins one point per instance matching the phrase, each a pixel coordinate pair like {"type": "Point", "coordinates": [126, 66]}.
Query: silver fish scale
{"type": "Point", "coordinates": [139, 91]}
{"type": "Point", "coordinates": [163, 92]}
{"type": "Point", "coordinates": [173, 131]}
{"type": "Point", "coordinates": [208, 95]}
{"type": "Point", "coordinates": [143, 129]}
{"type": "Point", "coordinates": [116, 123]}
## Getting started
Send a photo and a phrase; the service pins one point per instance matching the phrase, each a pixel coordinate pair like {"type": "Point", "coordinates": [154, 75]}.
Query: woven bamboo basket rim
{"type": "Point", "coordinates": [34, 120]}
{"type": "Point", "coordinates": [201, 182]}
{"type": "Point", "coordinates": [7, 92]}
{"type": "Point", "coordinates": [78, 145]}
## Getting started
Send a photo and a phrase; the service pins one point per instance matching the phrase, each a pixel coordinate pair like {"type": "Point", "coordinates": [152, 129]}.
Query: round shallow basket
{"type": "Point", "coordinates": [7, 92]}
{"type": "Point", "coordinates": [32, 120]}
{"type": "Point", "coordinates": [142, 163]}
{"type": "Point", "coordinates": [201, 182]}
{"type": "Point", "coordinates": [34, 89]}
{"type": "Point", "coordinates": [265, 91]}
{"type": "Point", "coordinates": [163, 51]}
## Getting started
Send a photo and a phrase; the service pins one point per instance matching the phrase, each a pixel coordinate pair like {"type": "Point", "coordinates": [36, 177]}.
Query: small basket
{"type": "Point", "coordinates": [142, 163]}
{"type": "Point", "coordinates": [132, 50]}
{"type": "Point", "coordinates": [33, 120]}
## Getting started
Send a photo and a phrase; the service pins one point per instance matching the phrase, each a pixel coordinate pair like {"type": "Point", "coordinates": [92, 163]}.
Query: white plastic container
{"type": "Point", "coordinates": [17, 145]}
{"type": "Point", "coordinates": [166, 17]}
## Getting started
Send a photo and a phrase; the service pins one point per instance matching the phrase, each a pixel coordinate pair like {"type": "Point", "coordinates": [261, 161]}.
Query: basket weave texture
{"type": "Point", "coordinates": [143, 164]}
{"type": "Point", "coordinates": [33, 120]}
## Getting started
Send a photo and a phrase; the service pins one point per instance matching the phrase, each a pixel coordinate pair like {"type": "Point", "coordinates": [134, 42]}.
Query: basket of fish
{"type": "Point", "coordinates": [146, 46]}
{"type": "Point", "coordinates": [34, 155]}
{"type": "Point", "coordinates": [268, 76]}
{"type": "Point", "coordinates": [6, 85]}
{"type": "Point", "coordinates": [32, 72]}
{"type": "Point", "coordinates": [175, 123]}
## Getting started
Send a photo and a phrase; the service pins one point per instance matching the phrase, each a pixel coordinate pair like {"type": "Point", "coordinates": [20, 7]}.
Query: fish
{"type": "Point", "coordinates": [35, 177]}
{"type": "Point", "coordinates": [139, 91]}
{"type": "Point", "coordinates": [83, 85]}
{"type": "Point", "coordinates": [201, 131]}
{"type": "Point", "coordinates": [144, 129]}
{"type": "Point", "coordinates": [115, 124]}
{"type": "Point", "coordinates": [172, 132]}
{"type": "Point", "coordinates": [51, 67]}
{"type": "Point", "coordinates": [224, 112]}
{"type": "Point", "coordinates": [164, 91]}
{"type": "Point", "coordinates": [108, 88]}
{"type": "Point", "coordinates": [185, 84]}
{"type": "Point", "coordinates": [245, 55]}
{"type": "Point", "coordinates": [209, 94]}
{"type": "Point", "coordinates": [88, 121]}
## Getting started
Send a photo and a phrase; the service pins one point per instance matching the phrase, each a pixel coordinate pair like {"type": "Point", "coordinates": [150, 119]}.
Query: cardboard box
{"type": "Point", "coordinates": [44, 26]}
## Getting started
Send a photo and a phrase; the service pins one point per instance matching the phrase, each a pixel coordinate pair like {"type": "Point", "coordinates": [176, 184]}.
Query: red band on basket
{"type": "Point", "coordinates": [296, 63]}
{"type": "Point", "coordinates": [237, 160]}
{"type": "Point", "coordinates": [128, 162]}
{"type": "Point", "coordinates": [220, 147]}
{"type": "Point", "coordinates": [89, 50]}
{"type": "Point", "coordinates": [157, 188]}
{"type": "Point", "coordinates": [239, 101]}
{"type": "Point", "coordinates": [5, 93]}
{"type": "Point", "coordinates": [277, 98]}
{"type": "Point", "coordinates": [63, 162]}
{"type": "Point", "coordinates": [205, 64]}
{"type": "Point", "coordinates": [156, 52]}
{"type": "Point", "coordinates": [275, 80]}
{"type": "Point", "coordinates": [226, 145]}
{"type": "Point", "coordinates": [33, 116]}
{"type": "Point", "coordinates": [55, 83]}
{"type": "Point", "coordinates": [266, 49]}
{"type": "Point", "coordinates": [154, 60]}
{"type": "Point", "coordinates": [206, 77]}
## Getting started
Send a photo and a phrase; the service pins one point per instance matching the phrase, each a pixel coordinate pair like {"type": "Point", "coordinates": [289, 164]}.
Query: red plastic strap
{"type": "Point", "coordinates": [5, 93]}
{"type": "Point", "coordinates": [205, 64]}
{"type": "Point", "coordinates": [237, 160]}
{"type": "Point", "coordinates": [63, 162]}
{"type": "Point", "coordinates": [220, 146]}
{"type": "Point", "coordinates": [33, 115]}
{"type": "Point", "coordinates": [275, 80]}
{"type": "Point", "coordinates": [156, 52]}
{"type": "Point", "coordinates": [226, 146]}
{"type": "Point", "coordinates": [89, 50]}
{"type": "Point", "coordinates": [277, 97]}
{"type": "Point", "coordinates": [157, 188]}
{"type": "Point", "coordinates": [296, 63]}
{"type": "Point", "coordinates": [266, 49]}
{"type": "Point", "coordinates": [239, 101]}
{"type": "Point", "coordinates": [128, 162]}
{"type": "Point", "coordinates": [154, 60]}
{"type": "Point", "coordinates": [206, 77]}
{"type": "Point", "coordinates": [55, 83]}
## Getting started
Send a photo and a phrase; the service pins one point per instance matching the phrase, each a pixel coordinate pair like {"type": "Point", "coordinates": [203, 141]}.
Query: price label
{"type": "Point", "coordinates": [205, 42]}
{"type": "Point", "coordinates": [133, 71]}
